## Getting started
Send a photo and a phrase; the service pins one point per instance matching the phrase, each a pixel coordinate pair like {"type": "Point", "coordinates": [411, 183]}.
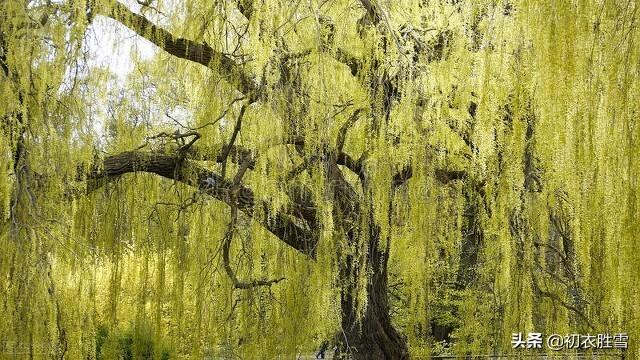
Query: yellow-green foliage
{"type": "Point", "coordinates": [135, 267]}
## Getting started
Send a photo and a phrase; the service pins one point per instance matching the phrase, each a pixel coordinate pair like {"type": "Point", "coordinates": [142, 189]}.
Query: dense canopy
{"type": "Point", "coordinates": [264, 178]}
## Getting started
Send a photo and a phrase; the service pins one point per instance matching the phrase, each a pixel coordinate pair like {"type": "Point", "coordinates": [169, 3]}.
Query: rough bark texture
{"type": "Point", "coordinates": [374, 337]}
{"type": "Point", "coordinates": [303, 239]}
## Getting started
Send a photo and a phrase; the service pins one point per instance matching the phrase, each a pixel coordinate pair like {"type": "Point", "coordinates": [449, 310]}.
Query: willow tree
{"type": "Point", "coordinates": [424, 168]}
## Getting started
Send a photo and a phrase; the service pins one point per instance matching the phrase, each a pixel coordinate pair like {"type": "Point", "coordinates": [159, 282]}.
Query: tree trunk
{"type": "Point", "coordinates": [373, 336]}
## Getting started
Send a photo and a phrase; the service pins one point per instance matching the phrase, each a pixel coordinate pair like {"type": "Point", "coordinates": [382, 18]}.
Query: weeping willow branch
{"type": "Point", "coordinates": [175, 167]}
{"type": "Point", "coordinates": [446, 176]}
{"type": "Point", "coordinates": [245, 7]}
{"type": "Point", "coordinates": [402, 177]}
{"type": "Point", "coordinates": [178, 137]}
{"type": "Point", "coordinates": [354, 165]}
{"type": "Point", "coordinates": [373, 12]}
{"type": "Point", "coordinates": [355, 64]}
{"type": "Point", "coordinates": [556, 298]}
{"type": "Point", "coordinates": [342, 134]}
{"type": "Point", "coordinates": [304, 166]}
{"type": "Point", "coordinates": [190, 50]}
{"type": "Point", "coordinates": [228, 237]}
{"type": "Point", "coordinates": [232, 141]}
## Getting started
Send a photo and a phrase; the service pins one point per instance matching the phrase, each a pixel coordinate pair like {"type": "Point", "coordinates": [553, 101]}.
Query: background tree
{"type": "Point", "coordinates": [399, 177]}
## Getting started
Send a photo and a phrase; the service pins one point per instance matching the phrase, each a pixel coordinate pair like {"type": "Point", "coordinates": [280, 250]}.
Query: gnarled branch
{"type": "Point", "coordinates": [176, 168]}
{"type": "Point", "coordinates": [194, 51]}
{"type": "Point", "coordinates": [228, 237]}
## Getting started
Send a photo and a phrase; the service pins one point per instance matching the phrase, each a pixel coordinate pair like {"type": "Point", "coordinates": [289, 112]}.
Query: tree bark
{"type": "Point", "coordinates": [373, 336]}
{"type": "Point", "coordinates": [302, 238]}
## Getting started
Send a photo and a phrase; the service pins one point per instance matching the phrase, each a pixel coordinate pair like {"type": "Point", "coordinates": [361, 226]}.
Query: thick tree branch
{"type": "Point", "coordinates": [446, 176]}
{"type": "Point", "coordinates": [173, 167]}
{"type": "Point", "coordinates": [354, 165]}
{"type": "Point", "coordinates": [237, 155]}
{"type": "Point", "coordinates": [342, 134]}
{"type": "Point", "coordinates": [373, 12]}
{"type": "Point", "coordinates": [403, 176]}
{"type": "Point", "coordinates": [234, 135]}
{"type": "Point", "coordinates": [200, 53]}
{"type": "Point", "coordinates": [245, 7]}
{"type": "Point", "coordinates": [354, 63]}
